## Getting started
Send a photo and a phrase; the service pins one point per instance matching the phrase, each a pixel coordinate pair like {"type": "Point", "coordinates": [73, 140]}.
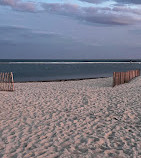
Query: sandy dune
{"type": "Point", "coordinates": [73, 119]}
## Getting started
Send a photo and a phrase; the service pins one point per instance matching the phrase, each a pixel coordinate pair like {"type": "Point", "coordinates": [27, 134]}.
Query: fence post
{"type": "Point", "coordinates": [117, 78]}
{"type": "Point", "coordinates": [12, 82]}
{"type": "Point", "coordinates": [130, 75]}
{"type": "Point", "coordinates": [124, 77]}
{"type": "Point", "coordinates": [136, 73]}
{"type": "Point", "coordinates": [133, 73]}
{"type": "Point", "coordinates": [114, 79]}
{"type": "Point", "coordinates": [0, 80]}
{"type": "Point", "coordinates": [6, 81]}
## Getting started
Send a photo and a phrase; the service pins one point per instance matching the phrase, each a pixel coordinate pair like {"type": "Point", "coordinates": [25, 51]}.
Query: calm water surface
{"type": "Point", "coordinates": [48, 71]}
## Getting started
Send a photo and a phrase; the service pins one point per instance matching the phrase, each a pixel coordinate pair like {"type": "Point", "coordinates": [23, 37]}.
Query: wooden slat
{"type": "Point", "coordinates": [12, 82]}
{"type": "Point", "coordinates": [114, 79]}
{"type": "Point", "coordinates": [124, 77]}
{"type": "Point", "coordinates": [0, 81]}
{"type": "Point", "coordinates": [6, 81]}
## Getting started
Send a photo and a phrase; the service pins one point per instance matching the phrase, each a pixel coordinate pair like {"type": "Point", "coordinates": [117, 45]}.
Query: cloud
{"type": "Point", "coordinates": [129, 1]}
{"type": "Point", "coordinates": [19, 5]}
{"type": "Point", "coordinates": [5, 29]}
{"type": "Point", "coordinates": [117, 15]}
{"type": "Point", "coordinates": [93, 1]}
{"type": "Point", "coordinates": [136, 32]}
{"type": "Point", "coordinates": [118, 1]}
{"type": "Point", "coordinates": [13, 28]}
{"type": "Point", "coordinates": [18, 34]}
{"type": "Point", "coordinates": [23, 42]}
{"type": "Point", "coordinates": [111, 14]}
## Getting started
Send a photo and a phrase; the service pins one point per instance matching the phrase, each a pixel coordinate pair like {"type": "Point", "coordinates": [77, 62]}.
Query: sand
{"type": "Point", "coordinates": [72, 119]}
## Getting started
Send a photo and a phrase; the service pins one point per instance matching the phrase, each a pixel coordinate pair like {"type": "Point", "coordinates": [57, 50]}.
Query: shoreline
{"type": "Point", "coordinates": [61, 80]}
{"type": "Point", "coordinates": [70, 62]}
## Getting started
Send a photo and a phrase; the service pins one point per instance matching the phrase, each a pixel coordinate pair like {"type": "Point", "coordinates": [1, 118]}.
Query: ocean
{"type": "Point", "coordinates": [52, 70]}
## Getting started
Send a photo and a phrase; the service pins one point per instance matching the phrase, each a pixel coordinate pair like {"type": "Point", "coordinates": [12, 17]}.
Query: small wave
{"type": "Point", "coordinates": [69, 62]}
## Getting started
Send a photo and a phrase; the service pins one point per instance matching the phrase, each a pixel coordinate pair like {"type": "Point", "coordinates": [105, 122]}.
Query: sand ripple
{"type": "Point", "coordinates": [86, 119]}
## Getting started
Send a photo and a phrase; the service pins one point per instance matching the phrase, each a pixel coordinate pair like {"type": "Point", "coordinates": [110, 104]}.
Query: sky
{"type": "Point", "coordinates": [70, 29]}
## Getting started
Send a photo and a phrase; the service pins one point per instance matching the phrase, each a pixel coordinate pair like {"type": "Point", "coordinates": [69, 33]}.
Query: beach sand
{"type": "Point", "coordinates": [72, 119]}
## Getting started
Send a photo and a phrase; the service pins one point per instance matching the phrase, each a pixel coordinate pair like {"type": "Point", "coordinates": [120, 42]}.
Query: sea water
{"type": "Point", "coordinates": [50, 70]}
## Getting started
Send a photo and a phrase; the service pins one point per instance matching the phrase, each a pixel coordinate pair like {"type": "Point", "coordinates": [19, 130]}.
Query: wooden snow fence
{"type": "Point", "coordinates": [124, 77]}
{"type": "Point", "coordinates": [6, 81]}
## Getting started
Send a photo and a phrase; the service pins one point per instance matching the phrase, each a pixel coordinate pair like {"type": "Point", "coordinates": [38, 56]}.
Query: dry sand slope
{"type": "Point", "coordinates": [73, 119]}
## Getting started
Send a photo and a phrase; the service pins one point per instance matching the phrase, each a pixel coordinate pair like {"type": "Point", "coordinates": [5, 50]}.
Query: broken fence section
{"type": "Point", "coordinates": [6, 82]}
{"type": "Point", "coordinates": [124, 77]}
